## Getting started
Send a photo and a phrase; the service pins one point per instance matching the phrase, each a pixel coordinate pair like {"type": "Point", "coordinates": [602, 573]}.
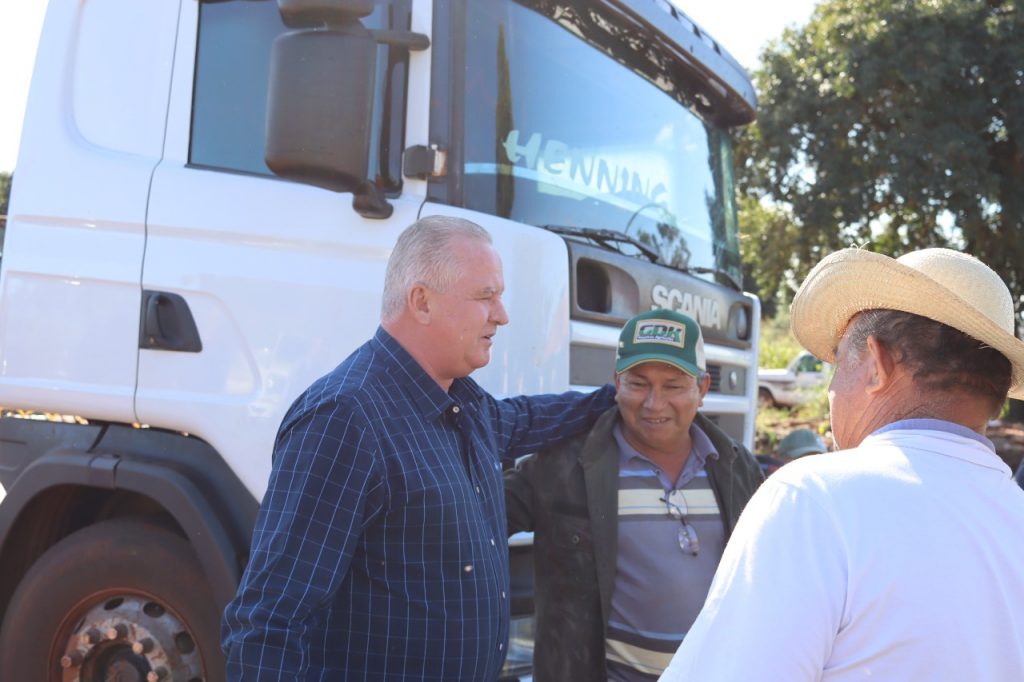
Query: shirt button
{"type": "Point", "coordinates": [455, 409]}
{"type": "Point", "coordinates": [501, 646]}
{"type": "Point", "coordinates": [478, 490]}
{"type": "Point", "coordinates": [468, 568]}
{"type": "Point", "coordinates": [503, 594]}
{"type": "Point", "coordinates": [492, 542]}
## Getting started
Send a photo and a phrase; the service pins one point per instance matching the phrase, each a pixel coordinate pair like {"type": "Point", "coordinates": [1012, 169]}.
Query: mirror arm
{"type": "Point", "coordinates": [414, 42]}
{"type": "Point", "coordinates": [369, 202]}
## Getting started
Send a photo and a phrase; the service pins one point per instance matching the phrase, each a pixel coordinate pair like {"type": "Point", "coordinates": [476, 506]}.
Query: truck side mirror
{"type": "Point", "coordinates": [320, 105]}
{"type": "Point", "coordinates": [320, 97]}
{"type": "Point", "coordinates": [318, 12]}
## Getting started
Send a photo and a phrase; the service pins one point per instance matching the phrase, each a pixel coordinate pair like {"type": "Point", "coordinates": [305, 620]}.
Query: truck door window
{"type": "Point", "coordinates": [230, 93]}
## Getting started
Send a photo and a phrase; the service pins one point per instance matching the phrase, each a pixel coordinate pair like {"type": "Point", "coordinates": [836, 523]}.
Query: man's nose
{"type": "Point", "coordinates": [498, 313]}
{"type": "Point", "coordinates": [653, 398]}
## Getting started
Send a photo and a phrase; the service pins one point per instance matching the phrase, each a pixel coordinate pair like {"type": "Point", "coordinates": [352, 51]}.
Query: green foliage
{"type": "Point", "coordinates": [895, 124]}
{"type": "Point", "coordinates": [5, 192]}
{"type": "Point", "coordinates": [816, 409]}
{"type": "Point", "coordinates": [5, 199]}
{"type": "Point", "coordinates": [767, 241]}
{"type": "Point", "coordinates": [778, 346]}
{"type": "Point", "coordinates": [767, 428]}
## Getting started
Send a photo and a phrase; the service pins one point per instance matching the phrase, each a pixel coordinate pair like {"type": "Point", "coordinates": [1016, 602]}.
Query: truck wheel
{"type": "Point", "coordinates": [119, 600]}
{"type": "Point", "coordinates": [764, 398]}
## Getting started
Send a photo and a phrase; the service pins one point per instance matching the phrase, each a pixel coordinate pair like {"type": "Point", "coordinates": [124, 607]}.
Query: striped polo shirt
{"type": "Point", "coordinates": [659, 587]}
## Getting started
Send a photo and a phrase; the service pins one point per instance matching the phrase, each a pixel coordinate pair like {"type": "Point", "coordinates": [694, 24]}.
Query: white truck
{"type": "Point", "coordinates": [205, 198]}
{"type": "Point", "coordinates": [795, 384]}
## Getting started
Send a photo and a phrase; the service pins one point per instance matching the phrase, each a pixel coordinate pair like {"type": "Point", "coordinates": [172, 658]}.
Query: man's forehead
{"type": "Point", "coordinates": [843, 334]}
{"type": "Point", "coordinates": [842, 341]}
{"type": "Point", "coordinates": [481, 269]}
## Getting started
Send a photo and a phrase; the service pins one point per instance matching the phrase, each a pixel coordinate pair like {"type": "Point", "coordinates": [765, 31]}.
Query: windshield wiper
{"type": "Point", "coordinates": [606, 238]}
{"type": "Point", "coordinates": [609, 238]}
{"type": "Point", "coordinates": [724, 274]}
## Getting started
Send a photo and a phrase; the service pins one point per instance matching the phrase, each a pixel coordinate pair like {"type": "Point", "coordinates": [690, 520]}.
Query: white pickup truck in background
{"type": "Point", "coordinates": [795, 384]}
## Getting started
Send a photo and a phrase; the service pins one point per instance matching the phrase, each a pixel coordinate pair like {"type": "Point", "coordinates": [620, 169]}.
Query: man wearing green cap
{"type": "Point", "coordinates": [631, 518]}
{"type": "Point", "coordinates": [799, 443]}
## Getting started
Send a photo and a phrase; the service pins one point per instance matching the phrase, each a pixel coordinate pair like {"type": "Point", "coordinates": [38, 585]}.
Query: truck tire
{"type": "Point", "coordinates": [119, 600]}
{"type": "Point", "coordinates": [764, 398]}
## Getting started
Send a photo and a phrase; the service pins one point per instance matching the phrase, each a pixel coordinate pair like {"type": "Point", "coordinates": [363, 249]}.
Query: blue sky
{"type": "Point", "coordinates": [22, 20]}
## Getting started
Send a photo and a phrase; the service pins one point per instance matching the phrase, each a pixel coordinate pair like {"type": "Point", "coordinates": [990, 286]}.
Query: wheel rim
{"type": "Point", "coordinates": [128, 638]}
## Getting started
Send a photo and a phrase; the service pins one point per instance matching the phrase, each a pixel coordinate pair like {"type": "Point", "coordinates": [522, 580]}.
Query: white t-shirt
{"type": "Point", "coordinates": [900, 560]}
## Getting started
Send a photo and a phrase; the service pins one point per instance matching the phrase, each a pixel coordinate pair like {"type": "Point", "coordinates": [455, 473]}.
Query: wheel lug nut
{"type": "Point", "coordinates": [90, 636]}
{"type": "Point", "coordinates": [157, 675]}
{"type": "Point", "coordinates": [143, 646]}
{"type": "Point", "coordinates": [119, 631]}
{"type": "Point", "coordinates": [72, 660]}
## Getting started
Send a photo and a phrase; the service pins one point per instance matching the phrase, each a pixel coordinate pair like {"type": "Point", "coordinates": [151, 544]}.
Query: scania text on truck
{"type": "Point", "coordinates": [205, 199]}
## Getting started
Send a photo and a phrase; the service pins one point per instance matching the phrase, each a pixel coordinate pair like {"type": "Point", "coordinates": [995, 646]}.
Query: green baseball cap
{"type": "Point", "coordinates": [801, 442]}
{"type": "Point", "coordinates": [661, 335]}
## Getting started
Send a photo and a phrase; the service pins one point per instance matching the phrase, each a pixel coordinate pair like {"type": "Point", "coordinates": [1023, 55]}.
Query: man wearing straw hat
{"type": "Point", "coordinates": [901, 556]}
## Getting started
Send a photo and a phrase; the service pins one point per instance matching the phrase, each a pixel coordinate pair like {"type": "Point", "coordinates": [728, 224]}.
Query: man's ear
{"type": "Point", "coordinates": [419, 303]}
{"type": "Point", "coordinates": [705, 386]}
{"type": "Point", "coordinates": [883, 366]}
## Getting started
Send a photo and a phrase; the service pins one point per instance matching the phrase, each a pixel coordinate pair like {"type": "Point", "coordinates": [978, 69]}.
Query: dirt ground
{"type": "Point", "coordinates": [1008, 437]}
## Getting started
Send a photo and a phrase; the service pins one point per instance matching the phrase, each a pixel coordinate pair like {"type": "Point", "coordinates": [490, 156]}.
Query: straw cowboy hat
{"type": "Point", "coordinates": [943, 285]}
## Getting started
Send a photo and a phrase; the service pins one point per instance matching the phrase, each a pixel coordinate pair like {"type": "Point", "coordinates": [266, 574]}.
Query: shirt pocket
{"type": "Point", "coordinates": [572, 533]}
{"type": "Point", "coordinates": [569, 563]}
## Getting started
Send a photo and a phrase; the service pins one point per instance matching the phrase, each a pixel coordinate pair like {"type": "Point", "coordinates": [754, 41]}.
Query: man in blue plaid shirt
{"type": "Point", "coordinates": [379, 549]}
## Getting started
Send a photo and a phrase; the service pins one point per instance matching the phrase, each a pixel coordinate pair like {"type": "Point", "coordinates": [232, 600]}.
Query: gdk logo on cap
{"type": "Point", "coordinates": [660, 331]}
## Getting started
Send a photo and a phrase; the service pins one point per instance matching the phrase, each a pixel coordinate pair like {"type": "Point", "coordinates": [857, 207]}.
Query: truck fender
{"type": "Point", "coordinates": [177, 493]}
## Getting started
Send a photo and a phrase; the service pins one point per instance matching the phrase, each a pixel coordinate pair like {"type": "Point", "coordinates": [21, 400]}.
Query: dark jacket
{"type": "Point", "coordinates": [568, 495]}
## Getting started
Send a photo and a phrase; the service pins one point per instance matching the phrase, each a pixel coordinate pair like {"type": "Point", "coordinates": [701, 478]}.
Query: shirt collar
{"type": "Point", "coordinates": [429, 397]}
{"type": "Point", "coordinates": [936, 425]}
{"type": "Point", "coordinates": [701, 448]}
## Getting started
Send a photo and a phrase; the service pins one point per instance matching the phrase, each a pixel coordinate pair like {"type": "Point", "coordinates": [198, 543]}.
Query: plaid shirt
{"type": "Point", "coordinates": [379, 551]}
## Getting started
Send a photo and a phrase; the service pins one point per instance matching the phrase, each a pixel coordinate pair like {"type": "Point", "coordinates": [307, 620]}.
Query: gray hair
{"type": "Point", "coordinates": [939, 357]}
{"type": "Point", "coordinates": [423, 255]}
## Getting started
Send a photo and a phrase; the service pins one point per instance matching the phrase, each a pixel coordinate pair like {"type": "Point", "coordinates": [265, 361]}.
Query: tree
{"type": "Point", "coordinates": [5, 192]}
{"type": "Point", "coordinates": [768, 242]}
{"type": "Point", "coordinates": [895, 124]}
{"type": "Point", "coordinates": [5, 199]}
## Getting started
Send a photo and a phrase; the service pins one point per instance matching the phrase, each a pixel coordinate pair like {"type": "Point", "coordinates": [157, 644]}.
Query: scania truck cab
{"type": "Point", "coordinates": [206, 196]}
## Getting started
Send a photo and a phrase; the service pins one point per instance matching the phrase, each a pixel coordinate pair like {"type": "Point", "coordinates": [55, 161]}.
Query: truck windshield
{"type": "Point", "coordinates": [576, 117]}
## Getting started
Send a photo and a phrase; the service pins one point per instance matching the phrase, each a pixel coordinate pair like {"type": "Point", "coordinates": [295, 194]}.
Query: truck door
{"type": "Point", "coordinates": [74, 244]}
{"type": "Point", "coordinates": [281, 280]}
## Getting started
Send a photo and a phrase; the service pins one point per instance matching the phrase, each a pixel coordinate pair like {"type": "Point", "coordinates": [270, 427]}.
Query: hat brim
{"type": "Point", "coordinates": [852, 280]}
{"type": "Point", "coordinates": [635, 360]}
{"type": "Point", "coordinates": [800, 452]}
